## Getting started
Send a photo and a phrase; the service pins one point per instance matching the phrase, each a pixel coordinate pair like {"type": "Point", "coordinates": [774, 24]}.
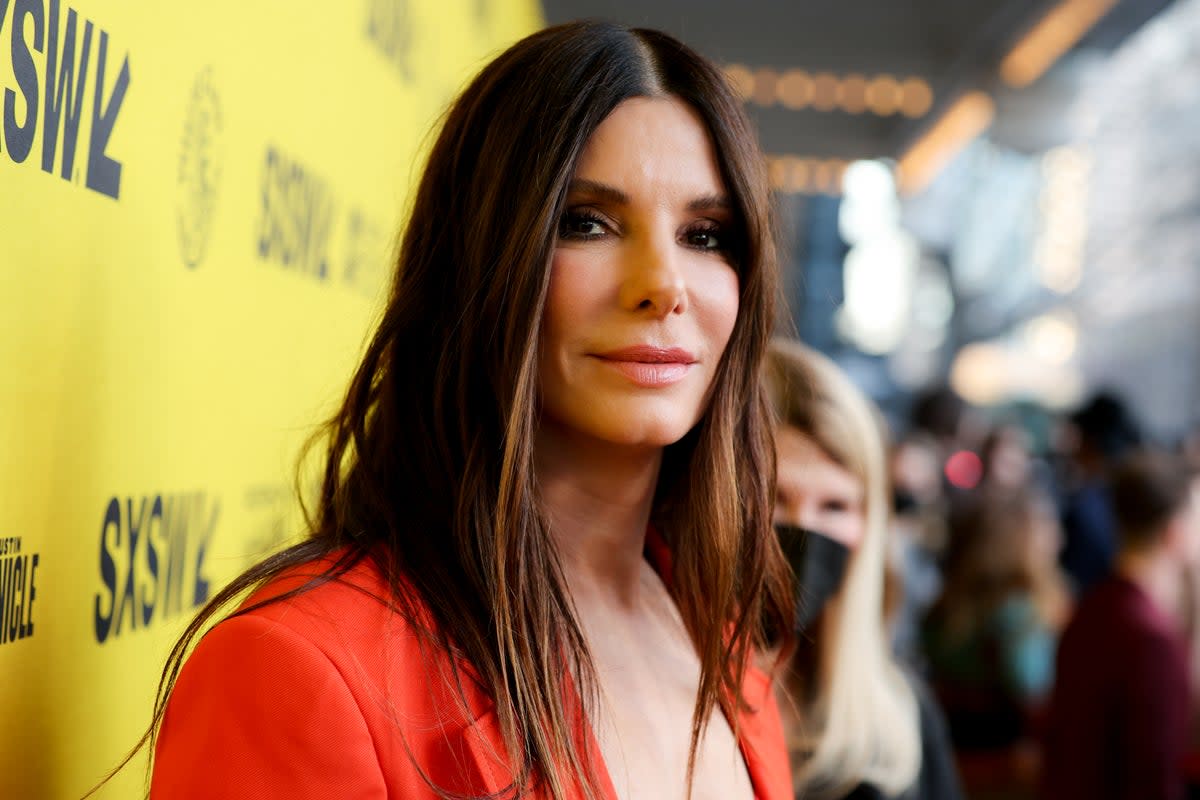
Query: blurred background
{"type": "Point", "coordinates": [989, 210]}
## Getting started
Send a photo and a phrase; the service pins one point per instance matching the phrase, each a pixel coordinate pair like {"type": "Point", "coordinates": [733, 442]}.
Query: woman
{"type": "Point", "coordinates": [991, 636]}
{"type": "Point", "coordinates": [541, 560]}
{"type": "Point", "coordinates": [858, 727]}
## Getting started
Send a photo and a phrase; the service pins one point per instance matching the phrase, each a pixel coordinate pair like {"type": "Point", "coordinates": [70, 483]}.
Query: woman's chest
{"type": "Point", "coordinates": [648, 678]}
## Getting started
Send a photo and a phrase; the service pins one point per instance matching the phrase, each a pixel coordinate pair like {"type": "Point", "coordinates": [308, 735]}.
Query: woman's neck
{"type": "Point", "coordinates": [597, 497]}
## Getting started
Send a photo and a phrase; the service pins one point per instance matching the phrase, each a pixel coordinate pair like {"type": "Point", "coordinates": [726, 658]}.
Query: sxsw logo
{"type": "Point", "coordinates": [390, 29]}
{"type": "Point", "coordinates": [61, 71]}
{"type": "Point", "coordinates": [199, 174]}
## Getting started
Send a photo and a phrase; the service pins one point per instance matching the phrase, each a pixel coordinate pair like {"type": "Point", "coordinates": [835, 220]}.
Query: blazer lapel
{"type": "Point", "coordinates": [484, 745]}
{"type": "Point", "coordinates": [761, 741]}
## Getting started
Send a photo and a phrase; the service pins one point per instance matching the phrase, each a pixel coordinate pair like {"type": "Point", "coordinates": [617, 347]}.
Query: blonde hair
{"type": "Point", "coordinates": [860, 716]}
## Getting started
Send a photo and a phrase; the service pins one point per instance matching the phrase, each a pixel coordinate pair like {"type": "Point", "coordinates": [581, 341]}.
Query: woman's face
{"type": "Point", "coordinates": [643, 295]}
{"type": "Point", "coordinates": [815, 492]}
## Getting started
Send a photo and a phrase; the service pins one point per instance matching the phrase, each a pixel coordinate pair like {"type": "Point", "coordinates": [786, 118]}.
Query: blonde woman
{"type": "Point", "coordinates": [857, 725]}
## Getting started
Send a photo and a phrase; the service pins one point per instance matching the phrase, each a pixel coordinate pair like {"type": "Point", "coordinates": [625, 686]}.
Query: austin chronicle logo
{"type": "Point", "coordinates": [199, 169]}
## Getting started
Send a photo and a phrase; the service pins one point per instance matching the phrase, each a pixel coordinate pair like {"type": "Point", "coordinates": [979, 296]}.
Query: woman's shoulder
{"type": "Point", "coordinates": [349, 611]}
{"type": "Point", "coordinates": [322, 595]}
{"type": "Point", "coordinates": [344, 621]}
{"type": "Point", "coordinates": [321, 680]}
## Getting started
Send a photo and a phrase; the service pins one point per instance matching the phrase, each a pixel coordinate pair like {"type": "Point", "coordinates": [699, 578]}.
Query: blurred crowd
{"type": "Point", "coordinates": [1042, 578]}
{"type": "Point", "coordinates": [992, 606]}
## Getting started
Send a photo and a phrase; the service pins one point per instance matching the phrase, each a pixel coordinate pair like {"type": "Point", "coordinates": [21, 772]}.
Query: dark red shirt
{"type": "Point", "coordinates": [1117, 727]}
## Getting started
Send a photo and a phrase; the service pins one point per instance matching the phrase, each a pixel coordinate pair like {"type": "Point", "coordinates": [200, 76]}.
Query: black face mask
{"type": "Point", "coordinates": [904, 501]}
{"type": "Point", "coordinates": [819, 564]}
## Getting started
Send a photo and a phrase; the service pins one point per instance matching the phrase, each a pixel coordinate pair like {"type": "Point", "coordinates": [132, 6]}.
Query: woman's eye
{"type": "Point", "coordinates": [711, 237]}
{"type": "Point", "coordinates": [576, 225]}
{"type": "Point", "coordinates": [705, 240]}
{"type": "Point", "coordinates": [835, 506]}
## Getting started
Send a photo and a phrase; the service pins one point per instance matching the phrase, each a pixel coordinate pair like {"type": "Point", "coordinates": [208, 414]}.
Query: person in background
{"type": "Point", "coordinates": [858, 726]}
{"type": "Point", "coordinates": [1007, 459]}
{"type": "Point", "coordinates": [917, 542]}
{"type": "Point", "coordinates": [990, 638]}
{"type": "Point", "coordinates": [951, 422]}
{"type": "Point", "coordinates": [1118, 722]}
{"type": "Point", "coordinates": [1104, 431]}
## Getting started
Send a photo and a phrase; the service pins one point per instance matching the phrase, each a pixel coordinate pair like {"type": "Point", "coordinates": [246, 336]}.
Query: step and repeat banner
{"type": "Point", "coordinates": [198, 205]}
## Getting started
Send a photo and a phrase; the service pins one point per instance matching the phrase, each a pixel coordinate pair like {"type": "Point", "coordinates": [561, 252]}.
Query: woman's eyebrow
{"type": "Point", "coordinates": [601, 191]}
{"type": "Point", "coordinates": [710, 202]}
{"type": "Point", "coordinates": [611, 194]}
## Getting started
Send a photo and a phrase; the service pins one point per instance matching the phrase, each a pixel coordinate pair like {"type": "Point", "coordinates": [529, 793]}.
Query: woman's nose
{"type": "Point", "coordinates": [654, 280]}
{"type": "Point", "coordinates": [808, 516]}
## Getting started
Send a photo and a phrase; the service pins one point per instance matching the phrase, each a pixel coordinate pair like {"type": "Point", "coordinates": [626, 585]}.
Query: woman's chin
{"type": "Point", "coordinates": [628, 431]}
{"type": "Point", "coordinates": [652, 433]}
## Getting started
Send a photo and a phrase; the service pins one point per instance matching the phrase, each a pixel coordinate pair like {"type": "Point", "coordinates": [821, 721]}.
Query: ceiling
{"type": "Point", "coordinates": [953, 46]}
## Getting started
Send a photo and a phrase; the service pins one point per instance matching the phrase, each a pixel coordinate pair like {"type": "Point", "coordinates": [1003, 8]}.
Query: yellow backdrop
{"type": "Point", "coordinates": [197, 207]}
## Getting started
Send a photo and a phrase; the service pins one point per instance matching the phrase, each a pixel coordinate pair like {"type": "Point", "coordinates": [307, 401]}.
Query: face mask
{"type": "Point", "coordinates": [904, 501]}
{"type": "Point", "coordinates": [819, 564]}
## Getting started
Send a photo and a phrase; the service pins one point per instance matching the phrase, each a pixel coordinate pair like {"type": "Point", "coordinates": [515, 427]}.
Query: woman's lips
{"type": "Point", "coordinates": [648, 366]}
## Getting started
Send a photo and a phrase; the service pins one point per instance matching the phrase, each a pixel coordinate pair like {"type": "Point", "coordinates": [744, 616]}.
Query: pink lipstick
{"type": "Point", "coordinates": [649, 366]}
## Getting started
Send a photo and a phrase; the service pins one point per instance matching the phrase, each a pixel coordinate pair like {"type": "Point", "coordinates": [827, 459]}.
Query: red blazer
{"type": "Point", "coordinates": [331, 695]}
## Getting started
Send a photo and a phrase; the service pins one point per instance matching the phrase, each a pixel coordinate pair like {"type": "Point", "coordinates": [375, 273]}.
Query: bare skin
{"type": "Point", "coordinates": [646, 665]}
{"type": "Point", "coordinates": [815, 492]}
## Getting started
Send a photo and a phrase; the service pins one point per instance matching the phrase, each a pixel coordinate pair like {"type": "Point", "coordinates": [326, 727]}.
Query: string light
{"type": "Point", "coordinates": [916, 98]}
{"type": "Point", "coordinates": [825, 91]}
{"type": "Point", "coordinates": [853, 93]}
{"type": "Point", "coordinates": [765, 81]}
{"type": "Point", "coordinates": [795, 89]}
{"type": "Point", "coordinates": [884, 95]}
{"type": "Point", "coordinates": [798, 175]}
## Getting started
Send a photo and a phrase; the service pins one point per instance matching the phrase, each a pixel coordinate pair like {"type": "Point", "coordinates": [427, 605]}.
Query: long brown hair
{"type": "Point", "coordinates": [428, 468]}
{"type": "Point", "coordinates": [993, 556]}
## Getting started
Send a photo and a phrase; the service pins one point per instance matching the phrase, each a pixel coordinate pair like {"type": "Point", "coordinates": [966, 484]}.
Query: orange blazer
{"type": "Point", "coordinates": [331, 695]}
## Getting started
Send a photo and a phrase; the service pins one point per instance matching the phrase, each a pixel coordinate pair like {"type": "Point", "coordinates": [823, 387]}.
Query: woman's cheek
{"type": "Point", "coordinates": [565, 296]}
{"type": "Point", "coordinates": [719, 295]}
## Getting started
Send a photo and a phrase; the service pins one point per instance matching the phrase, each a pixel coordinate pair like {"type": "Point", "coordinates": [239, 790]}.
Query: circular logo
{"type": "Point", "coordinates": [199, 170]}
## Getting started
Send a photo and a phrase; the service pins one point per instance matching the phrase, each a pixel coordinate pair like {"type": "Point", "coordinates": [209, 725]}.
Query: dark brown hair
{"type": "Point", "coordinates": [428, 469]}
{"type": "Point", "coordinates": [1147, 490]}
